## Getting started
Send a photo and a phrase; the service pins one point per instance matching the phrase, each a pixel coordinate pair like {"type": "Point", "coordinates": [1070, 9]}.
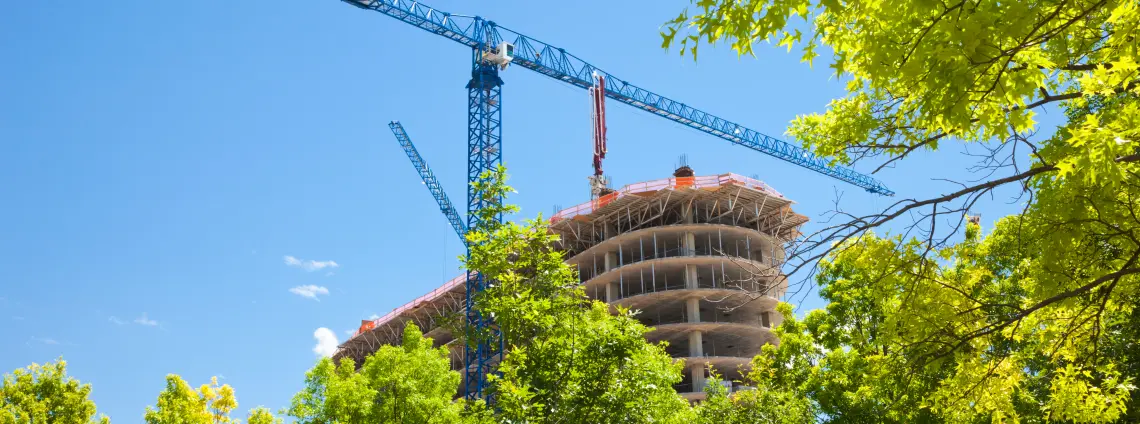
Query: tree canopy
{"type": "Point", "coordinates": [1034, 321]}
{"type": "Point", "coordinates": [179, 403]}
{"type": "Point", "coordinates": [410, 383]}
{"type": "Point", "coordinates": [262, 416]}
{"type": "Point", "coordinates": [765, 404]}
{"type": "Point", "coordinates": [45, 393]}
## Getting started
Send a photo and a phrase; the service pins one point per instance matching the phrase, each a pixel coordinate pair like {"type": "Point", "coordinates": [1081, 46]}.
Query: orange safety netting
{"type": "Point", "coordinates": [366, 325]}
{"type": "Point", "coordinates": [605, 200]}
{"type": "Point", "coordinates": [682, 182]}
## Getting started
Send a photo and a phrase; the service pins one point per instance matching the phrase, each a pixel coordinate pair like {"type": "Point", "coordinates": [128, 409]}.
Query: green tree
{"type": "Point", "coordinates": [179, 403]}
{"type": "Point", "coordinates": [262, 416]}
{"type": "Point", "coordinates": [568, 358]}
{"type": "Point", "coordinates": [877, 353]}
{"type": "Point", "coordinates": [1037, 320]}
{"type": "Point", "coordinates": [762, 405]}
{"type": "Point", "coordinates": [410, 383]}
{"type": "Point", "coordinates": [45, 393]}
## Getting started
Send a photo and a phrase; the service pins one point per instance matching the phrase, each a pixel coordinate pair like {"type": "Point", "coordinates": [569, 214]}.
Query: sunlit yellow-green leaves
{"type": "Point", "coordinates": [45, 393]}
{"type": "Point", "coordinates": [979, 329]}
{"type": "Point", "coordinates": [1079, 396]}
{"type": "Point", "coordinates": [181, 404]}
{"type": "Point", "coordinates": [410, 383]}
{"type": "Point", "coordinates": [1037, 320]}
{"type": "Point", "coordinates": [262, 416]}
{"type": "Point", "coordinates": [763, 405]}
{"type": "Point", "coordinates": [1094, 146]}
{"type": "Point", "coordinates": [921, 72]}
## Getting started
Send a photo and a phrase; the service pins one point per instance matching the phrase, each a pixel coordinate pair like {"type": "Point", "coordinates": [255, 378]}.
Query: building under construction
{"type": "Point", "coordinates": [699, 256]}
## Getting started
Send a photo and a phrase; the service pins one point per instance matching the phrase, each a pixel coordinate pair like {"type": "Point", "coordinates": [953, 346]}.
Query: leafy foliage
{"type": "Point", "coordinates": [918, 71]}
{"type": "Point", "coordinates": [410, 383]}
{"type": "Point", "coordinates": [763, 405]}
{"type": "Point", "coordinates": [45, 393]}
{"type": "Point", "coordinates": [910, 339]}
{"type": "Point", "coordinates": [1037, 320]}
{"type": "Point", "coordinates": [181, 404]}
{"type": "Point", "coordinates": [262, 416]}
{"type": "Point", "coordinates": [568, 359]}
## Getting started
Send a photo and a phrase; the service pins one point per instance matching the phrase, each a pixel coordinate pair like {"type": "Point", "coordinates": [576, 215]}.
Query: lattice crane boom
{"type": "Point", "coordinates": [478, 33]}
{"type": "Point", "coordinates": [430, 181]}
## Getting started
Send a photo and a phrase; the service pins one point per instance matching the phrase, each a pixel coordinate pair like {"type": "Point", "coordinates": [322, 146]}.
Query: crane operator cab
{"type": "Point", "coordinates": [501, 55]}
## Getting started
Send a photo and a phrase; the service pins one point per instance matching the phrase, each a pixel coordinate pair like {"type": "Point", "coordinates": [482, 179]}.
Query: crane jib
{"type": "Point", "coordinates": [556, 63]}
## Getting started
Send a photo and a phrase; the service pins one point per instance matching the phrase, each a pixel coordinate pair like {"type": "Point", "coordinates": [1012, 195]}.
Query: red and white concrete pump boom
{"type": "Point", "coordinates": [598, 181]}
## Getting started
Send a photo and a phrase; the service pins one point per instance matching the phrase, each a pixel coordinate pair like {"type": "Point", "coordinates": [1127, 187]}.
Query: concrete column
{"type": "Point", "coordinates": [696, 348]}
{"type": "Point", "coordinates": [687, 213]}
{"type": "Point", "coordinates": [698, 375]}
{"type": "Point", "coordinates": [689, 243]}
{"type": "Point", "coordinates": [690, 276]}
{"type": "Point", "coordinates": [693, 309]}
{"type": "Point", "coordinates": [698, 370]}
{"type": "Point", "coordinates": [611, 262]}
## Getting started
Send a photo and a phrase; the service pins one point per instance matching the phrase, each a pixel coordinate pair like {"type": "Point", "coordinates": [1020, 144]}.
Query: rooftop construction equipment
{"type": "Point", "coordinates": [598, 181]}
{"type": "Point", "coordinates": [491, 52]}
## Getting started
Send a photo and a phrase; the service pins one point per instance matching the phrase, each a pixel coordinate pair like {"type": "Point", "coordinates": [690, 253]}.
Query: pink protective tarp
{"type": "Point", "coordinates": [432, 295]}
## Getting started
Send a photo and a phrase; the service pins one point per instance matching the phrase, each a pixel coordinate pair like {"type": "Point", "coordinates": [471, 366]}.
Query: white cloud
{"type": "Point", "coordinates": [310, 265]}
{"type": "Point", "coordinates": [326, 342]}
{"type": "Point", "coordinates": [349, 333]}
{"type": "Point", "coordinates": [116, 320]}
{"type": "Point", "coordinates": [46, 341]}
{"type": "Point", "coordinates": [374, 316]}
{"type": "Point", "coordinates": [143, 320]}
{"type": "Point", "coordinates": [310, 291]}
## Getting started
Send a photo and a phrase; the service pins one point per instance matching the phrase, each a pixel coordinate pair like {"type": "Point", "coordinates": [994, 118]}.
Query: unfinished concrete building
{"type": "Point", "coordinates": [699, 256]}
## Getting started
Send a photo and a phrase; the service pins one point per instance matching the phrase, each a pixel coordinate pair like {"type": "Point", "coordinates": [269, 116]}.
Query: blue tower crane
{"type": "Point", "coordinates": [491, 52]}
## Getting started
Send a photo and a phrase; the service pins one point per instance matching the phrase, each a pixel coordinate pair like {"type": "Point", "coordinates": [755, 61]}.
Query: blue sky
{"type": "Point", "coordinates": [196, 187]}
